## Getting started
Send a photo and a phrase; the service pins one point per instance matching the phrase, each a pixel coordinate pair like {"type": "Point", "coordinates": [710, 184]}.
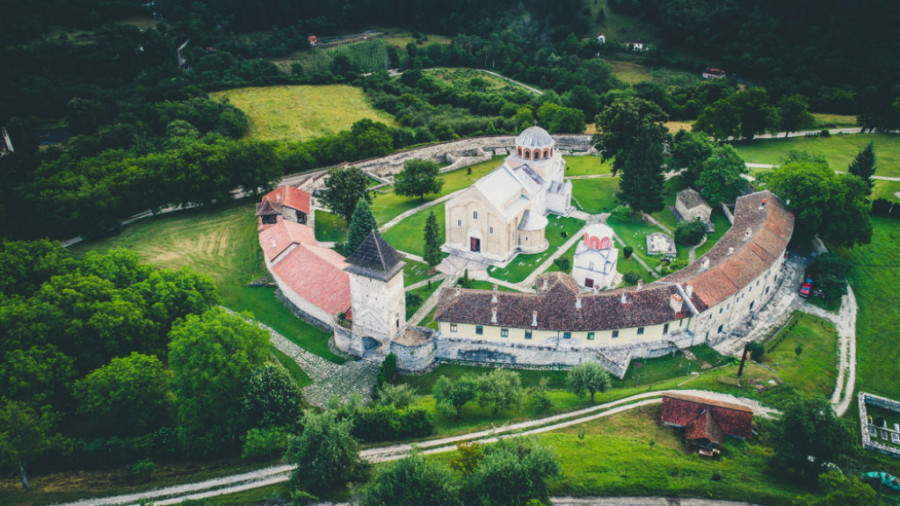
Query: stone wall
{"type": "Point", "coordinates": [466, 152]}
{"type": "Point", "coordinates": [868, 442]}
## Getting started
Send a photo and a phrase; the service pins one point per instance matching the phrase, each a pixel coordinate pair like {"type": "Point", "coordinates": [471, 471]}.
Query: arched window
{"type": "Point", "coordinates": [551, 151]}
{"type": "Point", "coordinates": [527, 154]}
{"type": "Point", "coordinates": [519, 151]}
{"type": "Point", "coordinates": [546, 152]}
{"type": "Point", "coordinates": [537, 154]}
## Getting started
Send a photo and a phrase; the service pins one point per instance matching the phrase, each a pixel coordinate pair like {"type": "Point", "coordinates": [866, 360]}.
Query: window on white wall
{"type": "Point", "coordinates": [491, 230]}
{"type": "Point", "coordinates": [452, 327]}
{"type": "Point", "coordinates": [567, 335]}
{"type": "Point", "coordinates": [479, 330]}
{"type": "Point", "coordinates": [458, 223]}
{"type": "Point", "coordinates": [590, 336]}
{"type": "Point", "coordinates": [615, 334]}
{"type": "Point", "coordinates": [527, 334]}
{"type": "Point", "coordinates": [504, 332]}
{"type": "Point", "coordinates": [474, 215]}
{"type": "Point", "coordinates": [640, 331]}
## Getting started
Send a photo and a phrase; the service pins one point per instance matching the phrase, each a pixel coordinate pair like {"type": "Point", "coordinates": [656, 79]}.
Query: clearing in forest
{"type": "Point", "coordinates": [301, 112]}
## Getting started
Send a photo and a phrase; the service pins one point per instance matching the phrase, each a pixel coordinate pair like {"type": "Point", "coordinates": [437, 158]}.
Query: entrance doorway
{"type": "Point", "coordinates": [475, 244]}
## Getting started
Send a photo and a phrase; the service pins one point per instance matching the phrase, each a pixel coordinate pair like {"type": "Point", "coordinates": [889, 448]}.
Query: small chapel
{"type": "Point", "coordinates": [505, 212]}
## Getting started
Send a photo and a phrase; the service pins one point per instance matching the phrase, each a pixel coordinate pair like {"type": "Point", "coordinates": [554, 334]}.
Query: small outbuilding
{"type": "Point", "coordinates": [594, 264]}
{"type": "Point", "coordinates": [712, 73]}
{"type": "Point", "coordinates": [706, 422]}
{"type": "Point", "coordinates": [293, 204]}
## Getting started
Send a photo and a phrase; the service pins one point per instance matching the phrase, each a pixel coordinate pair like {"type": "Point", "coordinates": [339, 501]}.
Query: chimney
{"type": "Point", "coordinates": [689, 291]}
{"type": "Point", "coordinates": [494, 296]}
{"type": "Point", "coordinates": [640, 284]}
{"type": "Point", "coordinates": [624, 299]}
{"type": "Point", "coordinates": [277, 197]}
{"type": "Point", "coordinates": [578, 303]}
{"type": "Point", "coordinates": [730, 251]}
{"type": "Point", "coordinates": [747, 234]}
{"type": "Point", "coordinates": [676, 303]}
{"type": "Point", "coordinates": [458, 290]}
{"type": "Point", "coordinates": [534, 318]}
{"type": "Point", "coordinates": [704, 264]}
{"type": "Point", "coordinates": [494, 314]}
{"type": "Point", "coordinates": [762, 205]}
{"type": "Point", "coordinates": [274, 243]}
{"type": "Point", "coordinates": [544, 288]}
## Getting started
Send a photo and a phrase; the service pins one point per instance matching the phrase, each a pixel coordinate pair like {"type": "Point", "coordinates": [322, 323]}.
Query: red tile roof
{"type": "Point", "coordinates": [314, 273]}
{"type": "Point", "coordinates": [680, 410]}
{"type": "Point", "coordinates": [289, 196]}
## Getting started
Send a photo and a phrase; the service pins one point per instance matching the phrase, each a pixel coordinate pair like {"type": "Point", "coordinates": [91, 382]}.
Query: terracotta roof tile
{"type": "Point", "coordinates": [290, 196]}
{"type": "Point", "coordinates": [276, 239]}
{"type": "Point", "coordinates": [266, 208]}
{"type": "Point", "coordinates": [733, 419]}
{"type": "Point", "coordinates": [310, 273]}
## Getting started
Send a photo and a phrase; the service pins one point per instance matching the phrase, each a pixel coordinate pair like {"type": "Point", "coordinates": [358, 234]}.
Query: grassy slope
{"type": "Point", "coordinates": [839, 150]}
{"type": "Point", "coordinates": [300, 112]}
{"type": "Point", "coordinates": [814, 371]}
{"type": "Point", "coordinates": [875, 277]}
{"type": "Point", "coordinates": [223, 245]}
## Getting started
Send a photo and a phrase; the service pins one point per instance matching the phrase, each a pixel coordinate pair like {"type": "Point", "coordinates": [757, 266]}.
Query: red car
{"type": "Point", "coordinates": [805, 289]}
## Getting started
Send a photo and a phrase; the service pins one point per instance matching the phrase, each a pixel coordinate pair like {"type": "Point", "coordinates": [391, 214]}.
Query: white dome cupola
{"type": "Point", "coordinates": [534, 143]}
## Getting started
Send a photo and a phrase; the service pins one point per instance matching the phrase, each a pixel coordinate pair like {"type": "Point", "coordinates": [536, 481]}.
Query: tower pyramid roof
{"type": "Point", "coordinates": [375, 258]}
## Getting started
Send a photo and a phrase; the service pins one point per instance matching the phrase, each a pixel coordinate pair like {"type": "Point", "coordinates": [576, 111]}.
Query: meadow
{"type": "Point", "coordinates": [838, 150]}
{"type": "Point", "coordinates": [301, 112]}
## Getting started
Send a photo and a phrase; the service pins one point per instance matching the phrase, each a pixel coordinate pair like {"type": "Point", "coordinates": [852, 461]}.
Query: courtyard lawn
{"type": "Point", "coordinates": [477, 284]}
{"type": "Point", "coordinates": [585, 165]}
{"type": "Point", "coordinates": [595, 196]}
{"type": "Point", "coordinates": [815, 369]}
{"type": "Point", "coordinates": [407, 235]}
{"type": "Point", "coordinates": [839, 150]}
{"type": "Point", "coordinates": [559, 230]}
{"type": "Point", "coordinates": [875, 277]}
{"type": "Point", "coordinates": [666, 216]}
{"type": "Point", "coordinates": [330, 227]}
{"type": "Point", "coordinates": [634, 232]}
{"type": "Point", "coordinates": [301, 112]}
{"type": "Point", "coordinates": [222, 244]}
{"type": "Point", "coordinates": [424, 292]}
{"type": "Point", "coordinates": [414, 272]}
{"type": "Point", "coordinates": [721, 224]}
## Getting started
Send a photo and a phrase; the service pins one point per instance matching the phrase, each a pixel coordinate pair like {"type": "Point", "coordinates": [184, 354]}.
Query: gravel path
{"type": "Point", "coordinates": [278, 474]}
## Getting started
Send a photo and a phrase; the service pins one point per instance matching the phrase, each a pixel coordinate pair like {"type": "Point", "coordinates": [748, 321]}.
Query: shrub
{"type": "Point", "coordinates": [824, 133]}
{"type": "Point", "coordinates": [627, 251]}
{"type": "Point", "coordinates": [621, 213]}
{"type": "Point", "coordinates": [386, 371]}
{"type": "Point", "coordinates": [830, 272]}
{"type": "Point", "coordinates": [631, 278]}
{"type": "Point", "coordinates": [563, 263]}
{"type": "Point", "coordinates": [690, 233]}
{"type": "Point", "coordinates": [413, 299]}
{"type": "Point", "coordinates": [143, 470]}
{"type": "Point", "coordinates": [881, 207]}
{"type": "Point", "coordinates": [260, 444]}
{"type": "Point", "coordinates": [757, 350]}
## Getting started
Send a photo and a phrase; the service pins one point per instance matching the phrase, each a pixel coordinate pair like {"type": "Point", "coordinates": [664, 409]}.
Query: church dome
{"type": "Point", "coordinates": [534, 137]}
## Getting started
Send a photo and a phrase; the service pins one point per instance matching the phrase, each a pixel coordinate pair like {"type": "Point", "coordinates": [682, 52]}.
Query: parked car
{"type": "Point", "coordinates": [805, 289]}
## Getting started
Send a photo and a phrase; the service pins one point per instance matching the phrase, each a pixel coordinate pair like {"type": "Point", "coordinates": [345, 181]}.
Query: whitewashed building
{"type": "Point", "coordinates": [594, 264]}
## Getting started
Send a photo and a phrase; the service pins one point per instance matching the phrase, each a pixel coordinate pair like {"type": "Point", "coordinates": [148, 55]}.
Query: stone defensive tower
{"type": "Point", "coordinates": [377, 295]}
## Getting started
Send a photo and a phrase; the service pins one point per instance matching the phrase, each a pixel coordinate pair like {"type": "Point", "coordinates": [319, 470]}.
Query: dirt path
{"type": "Point", "coordinates": [279, 474]}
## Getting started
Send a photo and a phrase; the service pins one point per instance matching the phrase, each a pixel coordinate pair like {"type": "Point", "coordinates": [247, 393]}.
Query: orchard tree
{"type": "Point", "coordinates": [689, 151]}
{"type": "Point", "coordinates": [325, 453]}
{"type": "Point", "coordinates": [451, 395]}
{"type": "Point", "coordinates": [130, 395]}
{"type": "Point", "coordinates": [418, 178]}
{"type": "Point", "coordinates": [808, 436]}
{"type": "Point", "coordinates": [26, 434]}
{"type": "Point", "coordinates": [412, 481]}
{"type": "Point", "coordinates": [344, 187]}
{"type": "Point", "coordinates": [795, 115]}
{"type": "Point", "coordinates": [362, 223]}
{"type": "Point", "coordinates": [832, 206]}
{"type": "Point", "coordinates": [501, 389]}
{"type": "Point", "coordinates": [512, 472]}
{"type": "Point", "coordinates": [588, 376]}
{"type": "Point", "coordinates": [721, 175]}
{"type": "Point", "coordinates": [863, 166]}
{"type": "Point", "coordinates": [433, 241]}
{"type": "Point", "coordinates": [211, 355]}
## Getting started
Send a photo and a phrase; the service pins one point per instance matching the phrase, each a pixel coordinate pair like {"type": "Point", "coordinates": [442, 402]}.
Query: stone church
{"type": "Point", "coordinates": [505, 212]}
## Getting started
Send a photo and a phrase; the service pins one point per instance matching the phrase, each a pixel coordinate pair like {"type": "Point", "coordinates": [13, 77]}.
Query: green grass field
{"type": "Point", "coordinates": [223, 245]}
{"type": "Point", "coordinates": [824, 120]}
{"type": "Point", "coordinates": [407, 235]}
{"type": "Point", "coordinates": [330, 227]}
{"type": "Point", "coordinates": [558, 231]}
{"type": "Point", "coordinates": [401, 39]}
{"type": "Point", "coordinates": [839, 150]}
{"type": "Point", "coordinates": [461, 77]}
{"type": "Point", "coordinates": [301, 112]}
{"type": "Point", "coordinates": [875, 277]}
{"type": "Point", "coordinates": [595, 196]}
{"type": "Point", "coordinates": [815, 369]}
{"type": "Point", "coordinates": [630, 72]}
{"type": "Point", "coordinates": [584, 165]}
{"type": "Point", "coordinates": [889, 190]}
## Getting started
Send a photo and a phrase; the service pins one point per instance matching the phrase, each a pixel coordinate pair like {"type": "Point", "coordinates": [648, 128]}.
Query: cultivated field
{"type": "Point", "coordinates": [298, 113]}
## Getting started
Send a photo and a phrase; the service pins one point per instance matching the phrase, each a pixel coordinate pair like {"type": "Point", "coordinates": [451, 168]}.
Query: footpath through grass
{"type": "Point", "coordinates": [302, 112]}
{"type": "Point", "coordinates": [875, 276]}
{"type": "Point", "coordinates": [839, 150]}
{"type": "Point", "coordinates": [558, 231]}
{"type": "Point", "coordinates": [222, 244]}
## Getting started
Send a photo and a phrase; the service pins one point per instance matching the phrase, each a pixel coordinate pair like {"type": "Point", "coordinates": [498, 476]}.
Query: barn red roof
{"type": "Point", "coordinates": [311, 271]}
{"type": "Point", "coordinates": [685, 411]}
{"type": "Point", "coordinates": [289, 196]}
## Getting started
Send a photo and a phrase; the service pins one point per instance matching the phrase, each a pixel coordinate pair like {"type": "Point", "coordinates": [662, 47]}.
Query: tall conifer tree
{"type": "Point", "coordinates": [863, 166]}
{"type": "Point", "coordinates": [361, 225]}
{"type": "Point", "coordinates": [432, 241]}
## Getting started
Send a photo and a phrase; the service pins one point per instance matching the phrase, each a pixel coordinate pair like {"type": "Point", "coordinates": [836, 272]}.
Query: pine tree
{"type": "Point", "coordinates": [361, 225]}
{"type": "Point", "coordinates": [863, 166]}
{"type": "Point", "coordinates": [432, 241]}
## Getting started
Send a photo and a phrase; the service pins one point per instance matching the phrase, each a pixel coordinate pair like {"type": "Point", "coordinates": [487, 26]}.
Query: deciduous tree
{"type": "Point", "coordinates": [721, 175]}
{"type": "Point", "coordinates": [808, 436]}
{"type": "Point", "coordinates": [512, 472]}
{"type": "Point", "coordinates": [452, 395]}
{"type": "Point", "coordinates": [418, 178]}
{"type": "Point", "coordinates": [344, 187]}
{"type": "Point", "coordinates": [325, 453]}
{"type": "Point", "coordinates": [412, 481]}
{"type": "Point", "coordinates": [795, 115]}
{"type": "Point", "coordinates": [589, 376]}
{"type": "Point", "coordinates": [501, 389]}
{"type": "Point", "coordinates": [689, 151]}
{"type": "Point", "coordinates": [25, 434]}
{"type": "Point", "coordinates": [270, 398]}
